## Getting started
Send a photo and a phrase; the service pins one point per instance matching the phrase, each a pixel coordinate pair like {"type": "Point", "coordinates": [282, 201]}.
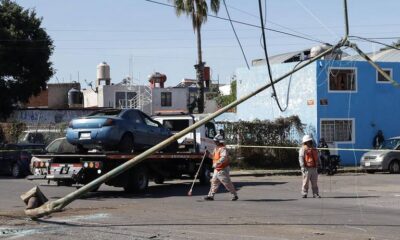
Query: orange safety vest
{"type": "Point", "coordinates": [217, 157]}
{"type": "Point", "coordinates": [310, 157]}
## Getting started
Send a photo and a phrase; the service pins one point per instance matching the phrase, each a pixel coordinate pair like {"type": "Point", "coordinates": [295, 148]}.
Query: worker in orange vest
{"type": "Point", "coordinates": [221, 170]}
{"type": "Point", "coordinates": [308, 159]}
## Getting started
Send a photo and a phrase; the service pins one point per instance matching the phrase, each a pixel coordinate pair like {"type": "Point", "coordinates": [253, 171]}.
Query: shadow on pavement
{"type": "Point", "coordinates": [340, 197]}
{"type": "Point", "coordinates": [166, 190]}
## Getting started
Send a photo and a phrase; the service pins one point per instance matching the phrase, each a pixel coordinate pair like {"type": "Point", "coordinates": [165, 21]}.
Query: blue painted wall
{"type": "Point", "coordinates": [373, 106]}
{"type": "Point", "coordinates": [263, 106]}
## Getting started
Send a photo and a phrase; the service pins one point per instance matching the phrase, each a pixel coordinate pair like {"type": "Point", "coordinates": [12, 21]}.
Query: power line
{"type": "Point", "coordinates": [267, 58]}
{"type": "Point", "coordinates": [237, 38]}
{"type": "Point", "coordinates": [244, 23]}
{"type": "Point", "coordinates": [373, 41]}
{"type": "Point", "coordinates": [277, 24]}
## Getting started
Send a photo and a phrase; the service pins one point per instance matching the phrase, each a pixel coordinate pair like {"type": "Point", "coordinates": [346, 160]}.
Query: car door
{"type": "Point", "coordinates": [154, 130]}
{"type": "Point", "coordinates": [136, 125]}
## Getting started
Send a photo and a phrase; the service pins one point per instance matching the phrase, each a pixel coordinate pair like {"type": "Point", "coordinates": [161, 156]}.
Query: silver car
{"type": "Point", "coordinates": [383, 159]}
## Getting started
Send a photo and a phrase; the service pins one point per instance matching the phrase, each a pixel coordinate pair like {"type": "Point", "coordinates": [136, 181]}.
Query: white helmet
{"type": "Point", "coordinates": [307, 138]}
{"type": "Point", "coordinates": [219, 138]}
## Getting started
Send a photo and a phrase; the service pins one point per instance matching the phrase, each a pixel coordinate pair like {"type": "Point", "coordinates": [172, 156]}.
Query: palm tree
{"type": "Point", "coordinates": [197, 10]}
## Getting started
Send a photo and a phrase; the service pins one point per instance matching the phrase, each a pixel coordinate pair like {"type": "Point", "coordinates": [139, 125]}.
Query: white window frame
{"type": "Point", "coordinates": [343, 68]}
{"type": "Point", "coordinates": [384, 82]}
{"type": "Point", "coordinates": [353, 130]}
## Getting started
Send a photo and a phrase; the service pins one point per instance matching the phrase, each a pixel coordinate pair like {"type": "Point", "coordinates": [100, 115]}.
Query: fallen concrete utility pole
{"type": "Point", "coordinates": [57, 205]}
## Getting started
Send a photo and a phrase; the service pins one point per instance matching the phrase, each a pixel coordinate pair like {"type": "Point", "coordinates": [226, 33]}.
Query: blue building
{"type": "Point", "coordinates": [344, 101]}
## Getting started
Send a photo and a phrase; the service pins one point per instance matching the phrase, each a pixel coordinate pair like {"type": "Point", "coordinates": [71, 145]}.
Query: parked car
{"type": "Point", "coordinates": [383, 159]}
{"type": "Point", "coordinates": [15, 158]}
{"type": "Point", "coordinates": [40, 136]}
{"type": "Point", "coordinates": [64, 173]}
{"type": "Point", "coordinates": [123, 130]}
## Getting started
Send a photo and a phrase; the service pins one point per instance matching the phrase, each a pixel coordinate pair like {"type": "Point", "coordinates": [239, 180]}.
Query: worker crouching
{"type": "Point", "coordinates": [308, 159]}
{"type": "Point", "coordinates": [221, 170]}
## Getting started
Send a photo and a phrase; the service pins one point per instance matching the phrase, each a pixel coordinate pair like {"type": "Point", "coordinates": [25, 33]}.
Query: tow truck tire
{"type": "Point", "coordinates": [16, 170]}
{"type": "Point", "coordinates": [137, 180]}
{"type": "Point", "coordinates": [159, 180]}
{"type": "Point", "coordinates": [126, 144]}
{"type": "Point", "coordinates": [205, 175]}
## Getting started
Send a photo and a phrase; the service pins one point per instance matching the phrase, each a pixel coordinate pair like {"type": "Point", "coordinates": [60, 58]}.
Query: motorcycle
{"type": "Point", "coordinates": [329, 164]}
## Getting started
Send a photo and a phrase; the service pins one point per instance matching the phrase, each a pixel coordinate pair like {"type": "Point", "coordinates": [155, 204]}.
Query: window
{"type": "Point", "coordinates": [176, 125]}
{"type": "Point", "coordinates": [210, 130]}
{"type": "Point", "coordinates": [381, 79]}
{"type": "Point", "coordinates": [342, 79]}
{"type": "Point", "coordinates": [133, 116]}
{"type": "Point", "coordinates": [337, 130]}
{"type": "Point", "coordinates": [150, 122]}
{"type": "Point", "coordinates": [131, 99]}
{"type": "Point", "coordinates": [120, 99]}
{"type": "Point", "coordinates": [166, 99]}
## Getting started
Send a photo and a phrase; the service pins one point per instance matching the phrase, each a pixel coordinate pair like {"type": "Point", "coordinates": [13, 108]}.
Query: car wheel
{"type": "Point", "coordinates": [16, 170]}
{"type": "Point", "coordinates": [394, 166]}
{"type": "Point", "coordinates": [126, 144]}
{"type": "Point", "coordinates": [137, 180]}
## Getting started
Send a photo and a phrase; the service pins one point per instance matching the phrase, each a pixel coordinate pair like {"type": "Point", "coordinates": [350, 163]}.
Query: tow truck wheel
{"type": "Point", "coordinates": [137, 180]}
{"type": "Point", "coordinates": [159, 180]}
{"type": "Point", "coordinates": [16, 170]}
{"type": "Point", "coordinates": [205, 175]}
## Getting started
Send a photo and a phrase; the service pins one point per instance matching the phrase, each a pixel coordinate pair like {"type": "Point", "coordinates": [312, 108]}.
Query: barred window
{"type": "Point", "coordinates": [342, 79]}
{"type": "Point", "coordinates": [337, 130]}
{"type": "Point", "coordinates": [166, 99]}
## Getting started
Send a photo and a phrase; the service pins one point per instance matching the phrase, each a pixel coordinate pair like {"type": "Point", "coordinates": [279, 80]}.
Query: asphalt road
{"type": "Point", "coordinates": [354, 206]}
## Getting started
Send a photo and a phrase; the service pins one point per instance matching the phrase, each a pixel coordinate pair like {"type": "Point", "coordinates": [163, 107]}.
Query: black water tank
{"type": "Point", "coordinates": [75, 98]}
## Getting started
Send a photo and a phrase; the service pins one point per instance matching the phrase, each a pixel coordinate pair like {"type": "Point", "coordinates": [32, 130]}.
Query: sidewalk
{"type": "Point", "coordinates": [283, 172]}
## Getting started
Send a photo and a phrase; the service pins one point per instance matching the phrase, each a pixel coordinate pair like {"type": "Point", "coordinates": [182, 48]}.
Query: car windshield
{"type": "Point", "coordinates": [390, 144]}
{"type": "Point", "coordinates": [114, 113]}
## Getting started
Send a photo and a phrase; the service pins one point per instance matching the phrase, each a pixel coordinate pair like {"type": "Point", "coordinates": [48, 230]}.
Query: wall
{"type": "Point", "coordinates": [374, 106]}
{"type": "Point", "coordinates": [180, 97]}
{"type": "Point", "coordinates": [40, 100]}
{"type": "Point", "coordinates": [47, 116]}
{"type": "Point", "coordinates": [58, 94]}
{"type": "Point", "coordinates": [302, 98]}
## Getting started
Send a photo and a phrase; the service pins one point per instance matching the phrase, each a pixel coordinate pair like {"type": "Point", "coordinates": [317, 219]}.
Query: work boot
{"type": "Point", "coordinates": [316, 195]}
{"type": "Point", "coordinates": [209, 198]}
{"type": "Point", "coordinates": [304, 196]}
{"type": "Point", "coordinates": [234, 198]}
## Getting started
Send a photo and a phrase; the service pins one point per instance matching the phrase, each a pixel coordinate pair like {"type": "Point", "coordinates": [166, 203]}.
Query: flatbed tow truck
{"type": "Point", "coordinates": [67, 169]}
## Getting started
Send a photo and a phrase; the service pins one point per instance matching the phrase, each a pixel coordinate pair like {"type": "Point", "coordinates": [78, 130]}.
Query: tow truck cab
{"type": "Point", "coordinates": [204, 134]}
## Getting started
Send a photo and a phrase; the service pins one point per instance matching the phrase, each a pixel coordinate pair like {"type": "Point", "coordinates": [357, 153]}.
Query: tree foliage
{"type": "Point", "coordinates": [25, 50]}
{"type": "Point", "coordinates": [224, 100]}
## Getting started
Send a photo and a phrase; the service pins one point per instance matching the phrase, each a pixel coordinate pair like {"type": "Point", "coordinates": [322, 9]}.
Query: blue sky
{"type": "Point", "coordinates": [86, 33]}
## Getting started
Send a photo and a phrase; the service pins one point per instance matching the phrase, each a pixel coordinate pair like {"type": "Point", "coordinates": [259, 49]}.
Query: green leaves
{"type": "Point", "coordinates": [25, 50]}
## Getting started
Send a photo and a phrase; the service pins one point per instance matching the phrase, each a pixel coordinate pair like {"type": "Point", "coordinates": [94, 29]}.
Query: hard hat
{"type": "Point", "coordinates": [307, 138]}
{"type": "Point", "coordinates": [218, 138]}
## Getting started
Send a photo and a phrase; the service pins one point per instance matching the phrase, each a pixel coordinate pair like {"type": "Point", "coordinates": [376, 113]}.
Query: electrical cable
{"type": "Point", "coordinates": [377, 42]}
{"type": "Point", "coordinates": [244, 23]}
{"type": "Point", "coordinates": [267, 58]}
{"type": "Point", "coordinates": [237, 38]}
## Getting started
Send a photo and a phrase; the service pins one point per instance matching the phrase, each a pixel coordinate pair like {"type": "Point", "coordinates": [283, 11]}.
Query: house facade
{"type": "Point", "coordinates": [345, 102]}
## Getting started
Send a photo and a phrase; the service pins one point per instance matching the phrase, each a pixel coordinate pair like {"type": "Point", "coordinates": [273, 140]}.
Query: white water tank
{"type": "Point", "coordinates": [103, 73]}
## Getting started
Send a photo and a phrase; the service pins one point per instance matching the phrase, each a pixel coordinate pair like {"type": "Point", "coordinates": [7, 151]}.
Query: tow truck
{"type": "Point", "coordinates": [68, 169]}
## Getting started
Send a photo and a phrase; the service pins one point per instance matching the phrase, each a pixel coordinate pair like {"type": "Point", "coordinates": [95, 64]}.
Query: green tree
{"type": "Point", "coordinates": [25, 50]}
{"type": "Point", "coordinates": [197, 10]}
{"type": "Point", "coordinates": [224, 100]}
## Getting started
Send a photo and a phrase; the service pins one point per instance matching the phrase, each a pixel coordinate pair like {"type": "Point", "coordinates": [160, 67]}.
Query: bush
{"type": "Point", "coordinates": [283, 132]}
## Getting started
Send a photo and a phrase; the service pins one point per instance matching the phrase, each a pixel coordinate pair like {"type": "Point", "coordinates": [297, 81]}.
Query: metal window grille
{"type": "Point", "coordinates": [337, 130]}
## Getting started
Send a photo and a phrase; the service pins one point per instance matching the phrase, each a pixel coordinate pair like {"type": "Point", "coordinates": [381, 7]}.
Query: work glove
{"type": "Point", "coordinates": [214, 165]}
{"type": "Point", "coordinates": [303, 170]}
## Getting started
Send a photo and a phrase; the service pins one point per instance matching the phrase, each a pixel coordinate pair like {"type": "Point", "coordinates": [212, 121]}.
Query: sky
{"type": "Point", "coordinates": [137, 37]}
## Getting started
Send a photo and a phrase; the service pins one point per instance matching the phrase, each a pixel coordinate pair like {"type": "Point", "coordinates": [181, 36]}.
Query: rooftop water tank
{"type": "Point", "coordinates": [75, 98]}
{"type": "Point", "coordinates": [103, 73]}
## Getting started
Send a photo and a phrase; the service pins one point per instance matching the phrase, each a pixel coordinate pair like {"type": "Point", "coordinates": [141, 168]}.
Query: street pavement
{"type": "Point", "coordinates": [353, 206]}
